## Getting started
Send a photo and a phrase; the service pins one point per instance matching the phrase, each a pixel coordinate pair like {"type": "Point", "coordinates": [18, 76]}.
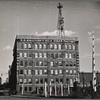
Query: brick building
{"type": "Point", "coordinates": [40, 59]}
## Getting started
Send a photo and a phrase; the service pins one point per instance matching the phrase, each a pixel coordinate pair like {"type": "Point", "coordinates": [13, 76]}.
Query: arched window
{"type": "Point", "coordinates": [66, 47]}
{"type": "Point", "coordinates": [69, 46]}
{"type": "Point", "coordinates": [71, 71]}
{"type": "Point", "coordinates": [40, 46]}
{"type": "Point", "coordinates": [36, 46]}
{"type": "Point", "coordinates": [51, 46]}
{"type": "Point", "coordinates": [55, 46]}
{"type": "Point", "coordinates": [59, 46]}
{"type": "Point", "coordinates": [25, 46]}
{"type": "Point", "coordinates": [73, 47]}
{"type": "Point", "coordinates": [29, 46]}
{"type": "Point", "coordinates": [44, 46]}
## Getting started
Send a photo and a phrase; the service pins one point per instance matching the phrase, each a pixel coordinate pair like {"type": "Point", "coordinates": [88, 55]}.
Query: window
{"type": "Point", "coordinates": [74, 71]}
{"type": "Point", "coordinates": [71, 71]}
{"type": "Point", "coordinates": [69, 46]}
{"type": "Point", "coordinates": [45, 55]}
{"type": "Point", "coordinates": [37, 63]}
{"type": "Point", "coordinates": [40, 63]}
{"type": "Point", "coordinates": [60, 55]}
{"type": "Point", "coordinates": [25, 46]}
{"type": "Point", "coordinates": [36, 46]}
{"type": "Point", "coordinates": [59, 46]}
{"type": "Point", "coordinates": [36, 81]}
{"type": "Point", "coordinates": [40, 46]}
{"type": "Point", "coordinates": [29, 54]}
{"type": "Point", "coordinates": [29, 81]}
{"type": "Point", "coordinates": [73, 47]}
{"type": "Point", "coordinates": [56, 72]}
{"type": "Point", "coordinates": [36, 72]}
{"type": "Point", "coordinates": [26, 63]}
{"type": "Point", "coordinates": [25, 81]}
{"type": "Point", "coordinates": [52, 80]}
{"type": "Point", "coordinates": [61, 80]}
{"type": "Point", "coordinates": [21, 63]}
{"type": "Point", "coordinates": [66, 55]}
{"type": "Point", "coordinates": [30, 63]}
{"type": "Point", "coordinates": [36, 55]}
{"type": "Point", "coordinates": [51, 71]}
{"type": "Point", "coordinates": [25, 54]}
{"type": "Point", "coordinates": [25, 88]}
{"type": "Point", "coordinates": [55, 46]}
{"type": "Point", "coordinates": [51, 46]}
{"type": "Point", "coordinates": [60, 63]}
{"type": "Point", "coordinates": [51, 63]}
{"type": "Point", "coordinates": [29, 72]}
{"type": "Point", "coordinates": [45, 71]}
{"type": "Point", "coordinates": [25, 72]}
{"type": "Point", "coordinates": [20, 54]}
{"type": "Point", "coordinates": [21, 72]}
{"type": "Point", "coordinates": [45, 80]}
{"type": "Point", "coordinates": [45, 63]}
{"type": "Point", "coordinates": [66, 46]}
{"type": "Point", "coordinates": [70, 56]}
{"type": "Point", "coordinates": [60, 71]}
{"type": "Point", "coordinates": [20, 89]}
{"type": "Point", "coordinates": [30, 88]}
{"type": "Point", "coordinates": [29, 46]}
{"type": "Point", "coordinates": [67, 71]}
{"type": "Point", "coordinates": [40, 72]}
{"type": "Point", "coordinates": [66, 63]}
{"type": "Point", "coordinates": [21, 81]}
{"type": "Point", "coordinates": [57, 80]}
{"type": "Point", "coordinates": [40, 55]}
{"type": "Point", "coordinates": [44, 46]}
{"type": "Point", "coordinates": [41, 81]}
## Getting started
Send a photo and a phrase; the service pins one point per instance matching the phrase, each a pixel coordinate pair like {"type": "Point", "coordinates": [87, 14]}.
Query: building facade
{"type": "Point", "coordinates": [44, 59]}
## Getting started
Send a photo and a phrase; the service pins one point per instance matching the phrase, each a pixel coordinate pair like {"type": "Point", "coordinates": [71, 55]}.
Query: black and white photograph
{"type": "Point", "coordinates": [49, 49]}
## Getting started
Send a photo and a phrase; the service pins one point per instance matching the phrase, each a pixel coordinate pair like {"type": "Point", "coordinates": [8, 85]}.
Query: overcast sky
{"type": "Point", "coordinates": [40, 17]}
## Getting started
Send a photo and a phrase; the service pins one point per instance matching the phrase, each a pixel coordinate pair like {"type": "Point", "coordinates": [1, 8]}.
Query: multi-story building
{"type": "Point", "coordinates": [40, 59]}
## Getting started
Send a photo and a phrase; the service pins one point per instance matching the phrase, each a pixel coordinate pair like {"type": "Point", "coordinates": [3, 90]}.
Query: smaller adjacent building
{"type": "Point", "coordinates": [86, 77]}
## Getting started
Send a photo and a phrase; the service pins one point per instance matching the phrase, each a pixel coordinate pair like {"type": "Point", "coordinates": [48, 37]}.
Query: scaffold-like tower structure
{"type": "Point", "coordinates": [60, 25]}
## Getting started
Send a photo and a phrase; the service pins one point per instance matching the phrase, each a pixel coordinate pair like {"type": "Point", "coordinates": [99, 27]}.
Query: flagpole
{"type": "Point", "coordinates": [50, 88]}
{"type": "Point", "coordinates": [45, 89]}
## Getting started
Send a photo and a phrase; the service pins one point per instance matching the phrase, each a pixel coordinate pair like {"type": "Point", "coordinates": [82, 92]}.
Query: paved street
{"type": "Point", "coordinates": [20, 98]}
